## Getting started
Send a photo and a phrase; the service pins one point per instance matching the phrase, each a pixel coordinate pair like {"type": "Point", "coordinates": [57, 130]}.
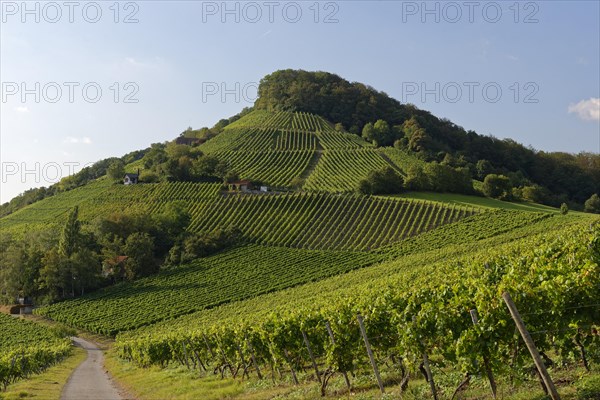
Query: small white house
{"type": "Point", "coordinates": [131, 179]}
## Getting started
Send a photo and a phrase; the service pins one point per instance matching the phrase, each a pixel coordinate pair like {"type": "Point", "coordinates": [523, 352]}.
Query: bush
{"type": "Point", "coordinates": [385, 181]}
{"type": "Point", "coordinates": [497, 186]}
{"type": "Point", "coordinates": [564, 208]}
{"type": "Point", "coordinates": [203, 244]}
{"type": "Point", "coordinates": [592, 205]}
{"type": "Point", "coordinates": [534, 193]}
{"type": "Point", "coordinates": [149, 177]}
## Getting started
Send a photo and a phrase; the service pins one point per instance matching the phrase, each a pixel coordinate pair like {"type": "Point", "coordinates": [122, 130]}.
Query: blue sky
{"type": "Point", "coordinates": [529, 71]}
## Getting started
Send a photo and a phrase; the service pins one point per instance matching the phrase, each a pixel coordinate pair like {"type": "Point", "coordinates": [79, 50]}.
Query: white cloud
{"type": "Point", "coordinates": [512, 57]}
{"type": "Point", "coordinates": [76, 140]}
{"type": "Point", "coordinates": [588, 110]}
{"type": "Point", "coordinates": [132, 62]}
{"type": "Point", "coordinates": [22, 109]}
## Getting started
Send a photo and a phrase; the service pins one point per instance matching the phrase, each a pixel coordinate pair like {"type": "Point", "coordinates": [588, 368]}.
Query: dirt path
{"type": "Point", "coordinates": [90, 381]}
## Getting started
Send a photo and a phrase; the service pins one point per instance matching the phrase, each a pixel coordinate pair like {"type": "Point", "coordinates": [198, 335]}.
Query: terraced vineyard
{"type": "Point", "coordinates": [101, 199]}
{"type": "Point", "coordinates": [326, 221]}
{"type": "Point", "coordinates": [281, 120]}
{"type": "Point", "coordinates": [27, 348]}
{"type": "Point", "coordinates": [235, 275]}
{"type": "Point", "coordinates": [275, 168]}
{"type": "Point", "coordinates": [52, 210]}
{"type": "Point", "coordinates": [401, 159]}
{"type": "Point", "coordinates": [342, 170]}
{"type": "Point", "coordinates": [299, 220]}
{"type": "Point", "coordinates": [277, 147]}
{"type": "Point", "coordinates": [331, 140]}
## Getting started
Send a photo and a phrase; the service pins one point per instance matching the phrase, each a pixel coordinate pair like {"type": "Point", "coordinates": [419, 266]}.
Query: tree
{"type": "Point", "coordinates": [72, 266]}
{"type": "Point", "coordinates": [149, 177]}
{"type": "Point", "coordinates": [71, 234]}
{"type": "Point", "coordinates": [368, 132]}
{"type": "Point", "coordinates": [592, 205]}
{"type": "Point", "coordinates": [20, 262]}
{"type": "Point", "coordinates": [231, 176]}
{"type": "Point", "coordinates": [339, 127]}
{"type": "Point", "coordinates": [139, 248]}
{"type": "Point", "coordinates": [85, 270]}
{"type": "Point", "coordinates": [534, 193]}
{"type": "Point", "coordinates": [116, 170]}
{"type": "Point", "coordinates": [496, 186]}
{"type": "Point", "coordinates": [483, 168]}
{"type": "Point", "coordinates": [417, 137]}
{"type": "Point", "coordinates": [385, 181]}
{"type": "Point", "coordinates": [564, 208]}
{"type": "Point", "coordinates": [416, 179]}
{"type": "Point", "coordinates": [168, 226]}
{"type": "Point", "coordinates": [382, 133]}
{"type": "Point", "coordinates": [54, 275]}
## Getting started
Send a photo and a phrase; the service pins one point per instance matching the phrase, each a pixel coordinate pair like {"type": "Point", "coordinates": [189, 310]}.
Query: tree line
{"type": "Point", "coordinates": [84, 257]}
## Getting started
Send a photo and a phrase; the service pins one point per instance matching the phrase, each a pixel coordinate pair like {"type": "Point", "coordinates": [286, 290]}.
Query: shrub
{"type": "Point", "coordinates": [592, 205]}
{"type": "Point", "coordinates": [497, 186]}
{"type": "Point", "coordinates": [385, 181]}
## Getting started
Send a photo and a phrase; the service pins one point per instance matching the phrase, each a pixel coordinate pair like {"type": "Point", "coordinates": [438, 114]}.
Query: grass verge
{"type": "Point", "coordinates": [179, 383]}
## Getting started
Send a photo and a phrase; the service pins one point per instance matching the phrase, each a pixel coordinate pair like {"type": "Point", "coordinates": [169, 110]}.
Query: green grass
{"type": "Point", "coordinates": [175, 383]}
{"type": "Point", "coordinates": [179, 383]}
{"type": "Point", "coordinates": [49, 384]}
{"type": "Point", "coordinates": [475, 201]}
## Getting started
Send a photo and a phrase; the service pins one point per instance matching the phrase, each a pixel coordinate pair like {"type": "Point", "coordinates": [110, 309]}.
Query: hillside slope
{"type": "Point", "coordinates": [274, 148]}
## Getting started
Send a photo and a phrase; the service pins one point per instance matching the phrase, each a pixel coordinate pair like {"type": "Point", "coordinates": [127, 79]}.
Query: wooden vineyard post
{"type": "Point", "coordinates": [370, 352]}
{"type": "Point", "coordinates": [253, 357]}
{"type": "Point", "coordinates": [333, 342]}
{"type": "Point", "coordinates": [539, 363]}
{"type": "Point", "coordinates": [287, 359]}
{"type": "Point", "coordinates": [312, 357]}
{"type": "Point", "coordinates": [486, 360]}
{"type": "Point", "coordinates": [429, 375]}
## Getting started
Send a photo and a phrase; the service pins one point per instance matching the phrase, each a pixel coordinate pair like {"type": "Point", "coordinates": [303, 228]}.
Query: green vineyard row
{"type": "Point", "coordinates": [234, 275]}
{"type": "Point", "coordinates": [326, 221]}
{"type": "Point", "coordinates": [27, 348]}
{"type": "Point", "coordinates": [553, 278]}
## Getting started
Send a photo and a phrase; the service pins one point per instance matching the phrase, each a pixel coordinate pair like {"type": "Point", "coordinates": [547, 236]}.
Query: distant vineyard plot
{"type": "Point", "coordinates": [234, 275]}
{"type": "Point", "coordinates": [275, 148]}
{"type": "Point", "coordinates": [326, 221]}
